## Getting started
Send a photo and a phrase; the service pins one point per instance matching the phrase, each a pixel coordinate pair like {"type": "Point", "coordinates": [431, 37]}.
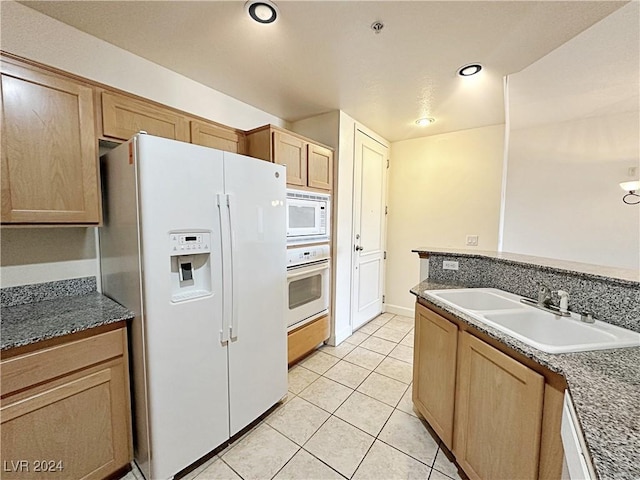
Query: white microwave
{"type": "Point", "coordinates": [307, 216]}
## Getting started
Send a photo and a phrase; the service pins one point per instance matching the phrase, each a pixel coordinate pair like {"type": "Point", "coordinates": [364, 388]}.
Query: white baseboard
{"type": "Point", "coordinates": [398, 310]}
{"type": "Point", "coordinates": [340, 336]}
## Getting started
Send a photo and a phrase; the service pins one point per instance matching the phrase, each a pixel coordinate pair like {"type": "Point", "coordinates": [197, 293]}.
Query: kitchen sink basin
{"type": "Point", "coordinates": [554, 334]}
{"type": "Point", "coordinates": [479, 299]}
{"type": "Point", "coordinates": [540, 329]}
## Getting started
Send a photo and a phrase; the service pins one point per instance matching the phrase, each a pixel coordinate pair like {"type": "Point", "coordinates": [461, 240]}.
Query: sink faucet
{"type": "Point", "coordinates": [544, 301]}
{"type": "Point", "coordinates": [544, 295]}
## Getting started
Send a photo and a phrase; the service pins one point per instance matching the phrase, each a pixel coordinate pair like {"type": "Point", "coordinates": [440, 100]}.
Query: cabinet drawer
{"type": "Point", "coordinates": [306, 338]}
{"type": "Point", "coordinates": [40, 366]}
{"type": "Point", "coordinates": [123, 117]}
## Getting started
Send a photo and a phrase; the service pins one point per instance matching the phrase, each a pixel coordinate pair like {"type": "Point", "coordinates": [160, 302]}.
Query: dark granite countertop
{"type": "Point", "coordinates": [33, 322]}
{"type": "Point", "coordinates": [604, 386]}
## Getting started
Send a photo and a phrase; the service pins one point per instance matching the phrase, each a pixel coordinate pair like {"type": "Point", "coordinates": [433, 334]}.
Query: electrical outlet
{"type": "Point", "coordinates": [632, 172]}
{"type": "Point", "coordinates": [472, 240]}
{"type": "Point", "coordinates": [449, 265]}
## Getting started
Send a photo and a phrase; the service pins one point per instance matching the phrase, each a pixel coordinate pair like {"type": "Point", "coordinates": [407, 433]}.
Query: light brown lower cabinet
{"type": "Point", "coordinates": [498, 413]}
{"type": "Point", "coordinates": [65, 410]}
{"type": "Point", "coordinates": [436, 340]}
{"type": "Point", "coordinates": [304, 339]}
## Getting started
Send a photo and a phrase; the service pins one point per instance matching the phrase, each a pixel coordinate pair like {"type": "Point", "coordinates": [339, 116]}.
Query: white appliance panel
{"type": "Point", "coordinates": [188, 414]}
{"type": "Point", "coordinates": [257, 376]}
{"type": "Point", "coordinates": [122, 278]}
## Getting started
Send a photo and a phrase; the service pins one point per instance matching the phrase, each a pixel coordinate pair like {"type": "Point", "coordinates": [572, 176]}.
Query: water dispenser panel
{"type": "Point", "coordinates": [189, 243]}
{"type": "Point", "coordinates": [190, 261]}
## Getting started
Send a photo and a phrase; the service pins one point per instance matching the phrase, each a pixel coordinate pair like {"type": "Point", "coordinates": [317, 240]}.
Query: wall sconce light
{"type": "Point", "coordinates": [631, 198]}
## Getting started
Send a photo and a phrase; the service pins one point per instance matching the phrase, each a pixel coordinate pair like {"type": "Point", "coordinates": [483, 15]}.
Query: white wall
{"type": "Point", "coordinates": [61, 253]}
{"type": "Point", "coordinates": [563, 199]}
{"type": "Point", "coordinates": [35, 255]}
{"type": "Point", "coordinates": [441, 189]}
{"type": "Point", "coordinates": [574, 133]}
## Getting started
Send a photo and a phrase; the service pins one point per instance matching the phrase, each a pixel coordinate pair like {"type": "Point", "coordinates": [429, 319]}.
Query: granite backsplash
{"type": "Point", "coordinates": [38, 292]}
{"type": "Point", "coordinates": [611, 300]}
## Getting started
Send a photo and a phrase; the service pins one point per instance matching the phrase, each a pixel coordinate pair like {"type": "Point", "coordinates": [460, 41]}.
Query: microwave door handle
{"type": "Point", "coordinates": [307, 271]}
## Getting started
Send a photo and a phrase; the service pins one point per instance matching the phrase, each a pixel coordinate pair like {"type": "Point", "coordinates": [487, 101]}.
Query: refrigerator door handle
{"type": "Point", "coordinates": [233, 329]}
{"type": "Point", "coordinates": [226, 253]}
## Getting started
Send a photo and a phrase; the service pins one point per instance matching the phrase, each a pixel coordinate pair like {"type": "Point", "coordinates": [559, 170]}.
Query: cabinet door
{"type": "Point", "coordinates": [79, 427]}
{"type": "Point", "coordinates": [123, 117]}
{"type": "Point", "coordinates": [213, 136]}
{"type": "Point", "coordinates": [291, 152]}
{"type": "Point", "coordinates": [320, 167]}
{"type": "Point", "coordinates": [434, 371]}
{"type": "Point", "coordinates": [498, 414]}
{"type": "Point", "coordinates": [49, 149]}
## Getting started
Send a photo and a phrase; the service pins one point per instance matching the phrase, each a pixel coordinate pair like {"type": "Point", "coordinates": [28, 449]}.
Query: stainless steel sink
{"type": "Point", "coordinates": [542, 330]}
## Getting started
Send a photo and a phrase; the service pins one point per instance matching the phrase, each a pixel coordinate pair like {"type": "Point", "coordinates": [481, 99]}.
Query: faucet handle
{"type": "Point", "coordinates": [544, 293]}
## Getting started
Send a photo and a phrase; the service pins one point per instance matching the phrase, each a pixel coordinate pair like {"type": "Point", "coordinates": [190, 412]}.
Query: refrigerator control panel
{"type": "Point", "coordinates": [187, 243]}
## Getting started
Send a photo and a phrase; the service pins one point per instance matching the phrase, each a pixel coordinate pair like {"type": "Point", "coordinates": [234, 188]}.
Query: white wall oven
{"type": "Point", "coordinates": [307, 216]}
{"type": "Point", "coordinates": [307, 284]}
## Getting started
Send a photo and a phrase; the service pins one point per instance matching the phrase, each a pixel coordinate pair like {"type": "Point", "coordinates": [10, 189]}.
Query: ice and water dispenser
{"type": "Point", "coordinates": [190, 265]}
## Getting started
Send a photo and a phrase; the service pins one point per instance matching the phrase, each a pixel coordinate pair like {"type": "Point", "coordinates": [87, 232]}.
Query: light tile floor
{"type": "Point", "coordinates": [348, 415]}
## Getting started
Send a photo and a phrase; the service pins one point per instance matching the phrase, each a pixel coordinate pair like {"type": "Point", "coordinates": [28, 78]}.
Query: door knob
{"type": "Point", "coordinates": [359, 248]}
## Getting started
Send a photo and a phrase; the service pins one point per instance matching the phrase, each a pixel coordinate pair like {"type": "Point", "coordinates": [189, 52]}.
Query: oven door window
{"type": "Point", "coordinates": [304, 291]}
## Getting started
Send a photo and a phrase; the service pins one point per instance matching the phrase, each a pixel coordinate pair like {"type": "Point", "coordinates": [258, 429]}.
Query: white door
{"type": "Point", "coordinates": [186, 359]}
{"type": "Point", "coordinates": [369, 226]}
{"type": "Point", "coordinates": [258, 346]}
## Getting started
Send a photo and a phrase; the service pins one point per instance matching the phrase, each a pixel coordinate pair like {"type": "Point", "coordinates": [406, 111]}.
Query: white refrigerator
{"type": "Point", "coordinates": [194, 243]}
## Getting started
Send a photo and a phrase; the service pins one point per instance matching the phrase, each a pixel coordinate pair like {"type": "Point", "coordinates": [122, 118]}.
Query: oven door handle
{"type": "Point", "coordinates": [307, 270]}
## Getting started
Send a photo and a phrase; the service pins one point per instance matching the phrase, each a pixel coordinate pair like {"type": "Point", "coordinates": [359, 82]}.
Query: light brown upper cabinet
{"type": "Point", "coordinates": [123, 117]}
{"type": "Point", "coordinates": [49, 148]}
{"type": "Point", "coordinates": [215, 136]}
{"type": "Point", "coordinates": [434, 374]}
{"type": "Point", "coordinates": [292, 153]}
{"type": "Point", "coordinates": [308, 163]}
{"type": "Point", "coordinates": [320, 167]}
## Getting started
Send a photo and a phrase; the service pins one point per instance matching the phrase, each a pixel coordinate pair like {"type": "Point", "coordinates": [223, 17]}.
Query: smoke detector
{"type": "Point", "coordinates": [377, 27]}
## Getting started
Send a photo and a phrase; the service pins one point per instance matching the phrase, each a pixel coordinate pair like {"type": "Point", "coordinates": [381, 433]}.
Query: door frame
{"type": "Point", "coordinates": [360, 129]}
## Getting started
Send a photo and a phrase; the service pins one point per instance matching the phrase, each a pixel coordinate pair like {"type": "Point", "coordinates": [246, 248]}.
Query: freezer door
{"type": "Point", "coordinates": [186, 353]}
{"type": "Point", "coordinates": [258, 344]}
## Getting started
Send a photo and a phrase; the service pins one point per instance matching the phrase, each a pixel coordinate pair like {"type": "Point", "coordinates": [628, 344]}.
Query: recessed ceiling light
{"type": "Point", "coordinates": [423, 122]}
{"type": "Point", "coordinates": [262, 11]}
{"type": "Point", "coordinates": [468, 70]}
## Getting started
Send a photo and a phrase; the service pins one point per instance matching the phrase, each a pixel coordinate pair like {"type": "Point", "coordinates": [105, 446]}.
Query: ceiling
{"type": "Point", "coordinates": [323, 55]}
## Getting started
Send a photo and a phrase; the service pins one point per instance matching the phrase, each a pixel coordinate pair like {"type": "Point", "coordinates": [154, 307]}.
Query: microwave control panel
{"type": "Point", "coordinates": [189, 243]}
